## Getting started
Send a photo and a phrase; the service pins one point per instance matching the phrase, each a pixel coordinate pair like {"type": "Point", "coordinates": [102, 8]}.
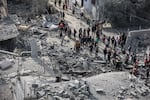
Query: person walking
{"type": "Point", "coordinates": [105, 53]}
{"type": "Point", "coordinates": [74, 33]}
{"type": "Point", "coordinates": [88, 31]}
{"type": "Point", "coordinates": [59, 2]}
{"type": "Point", "coordinates": [55, 2]}
{"type": "Point", "coordinates": [96, 51]}
{"type": "Point", "coordinates": [91, 48]}
{"type": "Point", "coordinates": [109, 56]}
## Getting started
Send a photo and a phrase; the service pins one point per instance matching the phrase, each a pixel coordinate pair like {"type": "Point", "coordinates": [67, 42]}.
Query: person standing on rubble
{"type": "Point", "coordinates": [112, 41]}
{"type": "Point", "coordinates": [69, 33]}
{"type": "Point", "coordinates": [135, 70]}
{"type": "Point", "coordinates": [146, 62]}
{"type": "Point", "coordinates": [96, 41]}
{"type": "Point", "coordinates": [91, 48]}
{"type": "Point", "coordinates": [127, 59]}
{"type": "Point", "coordinates": [93, 30]}
{"type": "Point", "coordinates": [59, 2]}
{"type": "Point", "coordinates": [105, 53]}
{"type": "Point", "coordinates": [55, 2]}
{"type": "Point", "coordinates": [115, 54]}
{"type": "Point", "coordinates": [62, 15]}
{"type": "Point", "coordinates": [109, 55]}
{"type": "Point", "coordinates": [129, 49]}
{"type": "Point", "coordinates": [108, 40]}
{"type": "Point", "coordinates": [74, 33]}
{"type": "Point", "coordinates": [133, 58]}
{"type": "Point", "coordinates": [61, 34]}
{"type": "Point", "coordinates": [147, 73]}
{"type": "Point", "coordinates": [115, 44]}
{"type": "Point", "coordinates": [96, 51]}
{"type": "Point", "coordinates": [65, 29]}
{"type": "Point", "coordinates": [80, 33]}
{"type": "Point", "coordinates": [88, 31]}
{"type": "Point", "coordinates": [103, 38]}
{"type": "Point", "coordinates": [64, 6]}
{"type": "Point", "coordinates": [77, 46]}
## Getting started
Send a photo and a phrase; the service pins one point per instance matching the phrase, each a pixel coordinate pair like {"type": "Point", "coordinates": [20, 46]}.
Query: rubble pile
{"type": "Point", "coordinates": [77, 89]}
{"type": "Point", "coordinates": [46, 66]}
{"type": "Point", "coordinates": [76, 65]}
{"type": "Point", "coordinates": [137, 89]}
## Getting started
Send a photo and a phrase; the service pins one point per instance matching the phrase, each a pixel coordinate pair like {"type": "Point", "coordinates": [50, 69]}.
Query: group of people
{"type": "Point", "coordinates": [60, 3]}
{"type": "Point", "coordinates": [90, 38]}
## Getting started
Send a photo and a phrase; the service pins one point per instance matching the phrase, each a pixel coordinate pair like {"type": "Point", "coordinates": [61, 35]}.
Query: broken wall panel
{"type": "Point", "coordinates": [8, 31]}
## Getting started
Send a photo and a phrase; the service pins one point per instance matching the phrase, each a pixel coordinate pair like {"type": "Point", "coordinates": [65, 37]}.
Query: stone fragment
{"type": "Point", "coordinates": [5, 64]}
{"type": "Point", "coordinates": [100, 91]}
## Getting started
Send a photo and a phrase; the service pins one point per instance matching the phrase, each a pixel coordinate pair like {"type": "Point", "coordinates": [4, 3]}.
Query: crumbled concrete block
{"type": "Point", "coordinates": [12, 75]}
{"type": "Point", "coordinates": [5, 64]}
{"type": "Point", "coordinates": [121, 97]}
{"type": "Point", "coordinates": [123, 88]}
{"type": "Point", "coordinates": [65, 78]}
{"type": "Point", "coordinates": [25, 72]}
{"type": "Point", "coordinates": [100, 91]}
{"type": "Point", "coordinates": [134, 94]}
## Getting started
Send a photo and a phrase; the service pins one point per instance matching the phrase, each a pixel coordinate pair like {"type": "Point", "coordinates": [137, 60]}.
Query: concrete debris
{"type": "Point", "coordinates": [12, 75]}
{"type": "Point", "coordinates": [5, 64]}
{"type": "Point", "coordinates": [8, 30]}
{"type": "Point", "coordinates": [15, 19]}
{"type": "Point", "coordinates": [134, 94]}
{"type": "Point", "coordinates": [100, 91]}
{"type": "Point", "coordinates": [23, 27]}
{"type": "Point", "coordinates": [65, 78]}
{"type": "Point", "coordinates": [25, 72]}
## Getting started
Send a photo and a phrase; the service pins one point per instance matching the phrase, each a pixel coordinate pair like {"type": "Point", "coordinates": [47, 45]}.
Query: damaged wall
{"type": "Point", "coordinates": [138, 39]}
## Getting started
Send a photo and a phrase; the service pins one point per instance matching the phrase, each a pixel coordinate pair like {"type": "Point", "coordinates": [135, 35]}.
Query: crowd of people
{"type": "Point", "coordinates": [89, 38]}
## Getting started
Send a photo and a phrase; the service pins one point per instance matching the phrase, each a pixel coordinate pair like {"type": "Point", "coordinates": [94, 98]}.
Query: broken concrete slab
{"type": "Point", "coordinates": [5, 64]}
{"type": "Point", "coordinates": [25, 72]}
{"type": "Point", "coordinates": [65, 78]}
{"type": "Point", "coordinates": [8, 31]}
{"type": "Point", "coordinates": [9, 53]}
{"type": "Point", "coordinates": [12, 75]}
{"type": "Point", "coordinates": [134, 94]}
{"type": "Point", "coordinates": [100, 91]}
